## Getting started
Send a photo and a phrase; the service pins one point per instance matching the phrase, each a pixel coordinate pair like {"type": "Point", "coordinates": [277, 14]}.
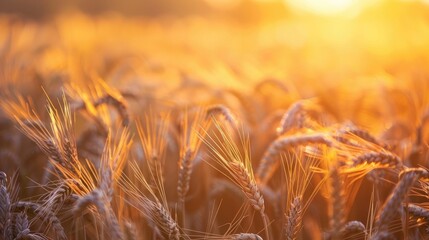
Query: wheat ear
{"type": "Point", "coordinates": [4, 206]}
{"type": "Point", "coordinates": [382, 158]}
{"type": "Point", "coordinates": [337, 202]}
{"type": "Point", "coordinates": [353, 228]}
{"type": "Point", "coordinates": [363, 134]}
{"type": "Point", "coordinates": [222, 110]}
{"type": "Point", "coordinates": [269, 162]}
{"type": "Point", "coordinates": [243, 236]}
{"type": "Point", "coordinates": [130, 231]}
{"type": "Point", "coordinates": [291, 118]}
{"type": "Point", "coordinates": [47, 216]}
{"type": "Point", "coordinates": [251, 190]}
{"type": "Point", "coordinates": [294, 219]}
{"type": "Point", "coordinates": [249, 187]}
{"type": "Point", "coordinates": [99, 199]}
{"type": "Point", "coordinates": [418, 212]}
{"type": "Point", "coordinates": [164, 220]}
{"type": "Point", "coordinates": [58, 197]}
{"type": "Point", "coordinates": [21, 226]}
{"type": "Point", "coordinates": [118, 103]}
{"type": "Point", "coordinates": [185, 171]}
{"type": "Point", "coordinates": [392, 207]}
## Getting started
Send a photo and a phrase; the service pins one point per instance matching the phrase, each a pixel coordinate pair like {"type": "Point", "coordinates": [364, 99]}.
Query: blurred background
{"type": "Point", "coordinates": [313, 47]}
{"type": "Point", "coordinates": [239, 9]}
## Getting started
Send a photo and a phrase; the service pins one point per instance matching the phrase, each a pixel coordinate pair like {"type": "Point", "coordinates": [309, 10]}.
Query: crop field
{"type": "Point", "coordinates": [235, 125]}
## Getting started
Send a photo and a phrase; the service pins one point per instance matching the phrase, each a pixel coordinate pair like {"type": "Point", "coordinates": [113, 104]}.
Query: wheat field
{"type": "Point", "coordinates": [135, 128]}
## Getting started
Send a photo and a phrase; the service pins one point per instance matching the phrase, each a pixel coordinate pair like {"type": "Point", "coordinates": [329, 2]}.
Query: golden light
{"type": "Point", "coordinates": [222, 4]}
{"type": "Point", "coordinates": [214, 119]}
{"type": "Point", "coordinates": [325, 7]}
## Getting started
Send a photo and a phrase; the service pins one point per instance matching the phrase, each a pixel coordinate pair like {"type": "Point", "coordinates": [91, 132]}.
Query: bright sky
{"type": "Point", "coordinates": [323, 6]}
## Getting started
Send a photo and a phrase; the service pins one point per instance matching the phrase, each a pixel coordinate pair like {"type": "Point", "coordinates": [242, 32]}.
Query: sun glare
{"type": "Point", "coordinates": [325, 7]}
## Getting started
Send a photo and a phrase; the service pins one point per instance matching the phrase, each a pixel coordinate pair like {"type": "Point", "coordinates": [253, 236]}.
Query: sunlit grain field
{"type": "Point", "coordinates": [304, 126]}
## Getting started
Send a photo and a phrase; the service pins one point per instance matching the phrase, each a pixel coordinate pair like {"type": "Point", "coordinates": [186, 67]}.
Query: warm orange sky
{"type": "Point", "coordinates": [186, 7]}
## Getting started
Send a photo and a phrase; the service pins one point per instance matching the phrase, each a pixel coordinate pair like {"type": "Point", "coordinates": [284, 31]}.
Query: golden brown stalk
{"type": "Point", "coordinates": [382, 158]}
{"type": "Point", "coordinates": [294, 219]}
{"type": "Point", "coordinates": [337, 209]}
{"type": "Point", "coordinates": [269, 162]}
{"type": "Point", "coordinates": [393, 205]}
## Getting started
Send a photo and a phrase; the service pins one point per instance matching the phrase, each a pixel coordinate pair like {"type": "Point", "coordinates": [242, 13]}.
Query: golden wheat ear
{"type": "Point", "coordinates": [45, 215]}
{"type": "Point", "coordinates": [4, 205]}
{"type": "Point", "coordinates": [294, 219]}
{"type": "Point", "coordinates": [235, 162]}
{"type": "Point", "coordinates": [54, 136]}
{"type": "Point", "coordinates": [192, 130]}
{"type": "Point", "coordinates": [269, 162]}
{"type": "Point", "coordinates": [393, 205]}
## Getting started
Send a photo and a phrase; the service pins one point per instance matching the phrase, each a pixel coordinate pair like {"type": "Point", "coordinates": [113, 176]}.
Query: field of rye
{"type": "Point", "coordinates": [206, 128]}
